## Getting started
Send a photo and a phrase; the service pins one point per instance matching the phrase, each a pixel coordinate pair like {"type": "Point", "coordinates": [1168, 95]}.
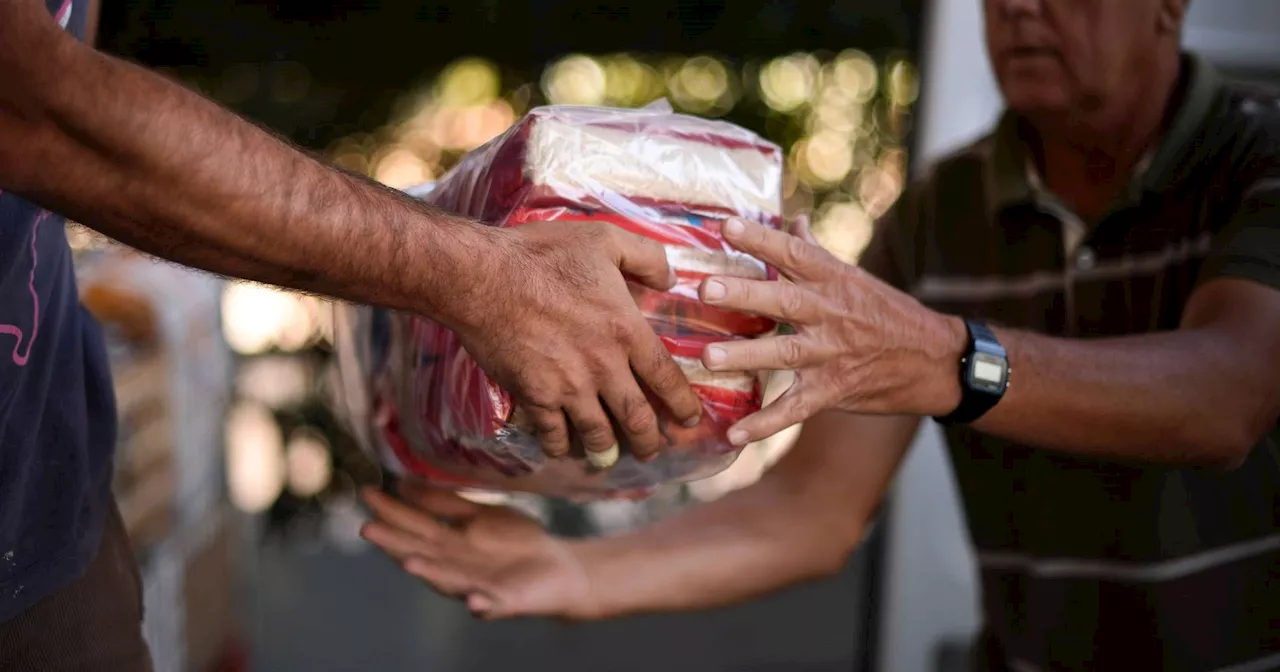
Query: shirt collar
{"type": "Point", "coordinates": [1012, 178]}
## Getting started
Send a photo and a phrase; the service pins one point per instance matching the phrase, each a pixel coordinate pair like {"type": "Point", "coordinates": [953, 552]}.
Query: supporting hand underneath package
{"type": "Point", "coordinates": [425, 407]}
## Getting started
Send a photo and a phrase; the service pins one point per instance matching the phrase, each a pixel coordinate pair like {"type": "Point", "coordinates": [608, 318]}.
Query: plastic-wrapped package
{"type": "Point", "coordinates": [418, 400]}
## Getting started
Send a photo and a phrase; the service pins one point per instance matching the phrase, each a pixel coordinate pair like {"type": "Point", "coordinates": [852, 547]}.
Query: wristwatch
{"type": "Point", "coordinates": [984, 375]}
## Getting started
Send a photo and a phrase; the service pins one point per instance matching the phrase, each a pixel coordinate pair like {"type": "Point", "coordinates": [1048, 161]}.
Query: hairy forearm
{"type": "Point", "coordinates": [160, 168]}
{"type": "Point", "coordinates": [799, 522]}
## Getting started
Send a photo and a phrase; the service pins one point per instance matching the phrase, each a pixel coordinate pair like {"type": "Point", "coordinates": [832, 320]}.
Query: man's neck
{"type": "Point", "coordinates": [1087, 159]}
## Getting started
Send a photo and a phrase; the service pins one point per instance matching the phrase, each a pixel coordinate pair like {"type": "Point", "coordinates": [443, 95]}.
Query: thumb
{"type": "Point", "coordinates": [643, 259]}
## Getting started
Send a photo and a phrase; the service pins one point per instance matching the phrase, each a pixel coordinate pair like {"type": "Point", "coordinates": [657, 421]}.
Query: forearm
{"type": "Point", "coordinates": [721, 553]}
{"type": "Point", "coordinates": [799, 522]}
{"type": "Point", "coordinates": [160, 168]}
{"type": "Point", "coordinates": [1169, 397]}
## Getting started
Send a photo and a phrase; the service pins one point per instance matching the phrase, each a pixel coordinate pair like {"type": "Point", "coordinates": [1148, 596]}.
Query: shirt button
{"type": "Point", "coordinates": [1085, 258]}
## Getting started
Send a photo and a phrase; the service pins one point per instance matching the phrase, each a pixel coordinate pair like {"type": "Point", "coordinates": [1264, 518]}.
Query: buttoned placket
{"type": "Point", "coordinates": [1076, 257]}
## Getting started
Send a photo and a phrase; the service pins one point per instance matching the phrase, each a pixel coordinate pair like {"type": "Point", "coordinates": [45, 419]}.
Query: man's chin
{"type": "Point", "coordinates": [1036, 101]}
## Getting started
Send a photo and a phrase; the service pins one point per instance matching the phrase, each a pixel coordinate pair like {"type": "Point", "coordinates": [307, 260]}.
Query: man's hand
{"type": "Point", "coordinates": [496, 559]}
{"type": "Point", "coordinates": [555, 324]}
{"type": "Point", "coordinates": [860, 345]}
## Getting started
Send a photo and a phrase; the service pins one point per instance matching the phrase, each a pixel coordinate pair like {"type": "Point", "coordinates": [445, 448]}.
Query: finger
{"type": "Point", "coordinates": [404, 517]}
{"type": "Point", "coordinates": [655, 368]}
{"type": "Point", "coordinates": [795, 257]}
{"type": "Point", "coordinates": [396, 542]}
{"type": "Point", "coordinates": [593, 426]}
{"type": "Point", "coordinates": [804, 232]}
{"type": "Point", "coordinates": [777, 353]}
{"type": "Point", "coordinates": [643, 259]}
{"type": "Point", "coordinates": [796, 406]}
{"type": "Point", "coordinates": [447, 579]}
{"type": "Point", "coordinates": [633, 414]}
{"type": "Point", "coordinates": [782, 301]}
{"type": "Point", "coordinates": [551, 429]}
{"type": "Point", "coordinates": [439, 502]}
{"type": "Point", "coordinates": [484, 607]}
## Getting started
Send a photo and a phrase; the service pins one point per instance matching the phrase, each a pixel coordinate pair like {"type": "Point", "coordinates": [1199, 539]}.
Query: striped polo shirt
{"type": "Point", "coordinates": [1091, 564]}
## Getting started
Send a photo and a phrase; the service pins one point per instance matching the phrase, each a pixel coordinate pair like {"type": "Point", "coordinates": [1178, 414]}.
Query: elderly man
{"type": "Point", "coordinates": [1087, 298]}
{"type": "Point", "coordinates": [158, 167]}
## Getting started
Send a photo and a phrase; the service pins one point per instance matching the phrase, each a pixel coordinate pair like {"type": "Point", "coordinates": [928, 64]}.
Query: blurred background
{"type": "Point", "coordinates": [237, 480]}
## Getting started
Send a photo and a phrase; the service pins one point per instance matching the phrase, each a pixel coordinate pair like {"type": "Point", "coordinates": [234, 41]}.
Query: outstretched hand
{"type": "Point", "coordinates": [499, 561]}
{"type": "Point", "coordinates": [859, 344]}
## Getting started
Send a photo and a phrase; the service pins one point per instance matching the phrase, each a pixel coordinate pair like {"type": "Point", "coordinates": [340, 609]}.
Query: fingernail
{"type": "Point", "coordinates": [715, 355]}
{"type": "Point", "coordinates": [737, 437]}
{"type": "Point", "coordinates": [671, 277]}
{"type": "Point", "coordinates": [734, 227]}
{"type": "Point", "coordinates": [690, 423]}
{"type": "Point", "coordinates": [605, 458]}
{"type": "Point", "coordinates": [714, 290]}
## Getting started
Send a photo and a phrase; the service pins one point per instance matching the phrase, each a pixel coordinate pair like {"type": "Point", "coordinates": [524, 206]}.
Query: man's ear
{"type": "Point", "coordinates": [1172, 13]}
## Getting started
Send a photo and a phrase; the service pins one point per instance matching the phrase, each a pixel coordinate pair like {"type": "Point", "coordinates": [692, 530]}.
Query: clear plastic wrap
{"type": "Point", "coordinates": [420, 403]}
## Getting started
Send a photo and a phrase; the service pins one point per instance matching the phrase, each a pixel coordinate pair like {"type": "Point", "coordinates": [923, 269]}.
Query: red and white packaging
{"type": "Point", "coordinates": [423, 406]}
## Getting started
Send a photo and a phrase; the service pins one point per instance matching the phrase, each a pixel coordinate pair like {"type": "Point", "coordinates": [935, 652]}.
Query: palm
{"type": "Point", "coordinates": [526, 570]}
{"type": "Point", "coordinates": [502, 562]}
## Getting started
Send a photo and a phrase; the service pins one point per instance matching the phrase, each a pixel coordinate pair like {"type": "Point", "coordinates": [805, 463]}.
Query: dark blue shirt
{"type": "Point", "coordinates": [57, 411]}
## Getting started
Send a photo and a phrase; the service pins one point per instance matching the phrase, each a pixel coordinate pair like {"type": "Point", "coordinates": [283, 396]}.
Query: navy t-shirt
{"type": "Point", "coordinates": [57, 410]}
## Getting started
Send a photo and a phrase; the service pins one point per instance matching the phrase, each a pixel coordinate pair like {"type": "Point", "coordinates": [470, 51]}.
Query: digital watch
{"type": "Point", "coordinates": [984, 375]}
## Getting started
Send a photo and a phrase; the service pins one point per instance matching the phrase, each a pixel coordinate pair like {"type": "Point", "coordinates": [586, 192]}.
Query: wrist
{"type": "Point", "coordinates": [939, 386]}
{"type": "Point", "coordinates": [459, 258]}
{"type": "Point", "coordinates": [586, 557]}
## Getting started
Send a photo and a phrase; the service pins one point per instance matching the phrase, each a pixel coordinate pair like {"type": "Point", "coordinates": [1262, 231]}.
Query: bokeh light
{"type": "Point", "coordinates": [843, 228]}
{"type": "Point", "coordinates": [308, 463]}
{"type": "Point", "coordinates": [255, 457]}
{"type": "Point", "coordinates": [256, 318]}
{"type": "Point", "coordinates": [468, 82]}
{"type": "Point", "coordinates": [903, 84]}
{"type": "Point", "coordinates": [855, 72]}
{"type": "Point", "coordinates": [703, 85]}
{"type": "Point", "coordinates": [575, 80]}
{"type": "Point", "coordinates": [787, 83]}
{"type": "Point", "coordinates": [397, 166]}
{"type": "Point", "coordinates": [629, 82]}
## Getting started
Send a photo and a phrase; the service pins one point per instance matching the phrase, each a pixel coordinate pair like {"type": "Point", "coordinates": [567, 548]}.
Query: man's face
{"type": "Point", "coordinates": [1062, 56]}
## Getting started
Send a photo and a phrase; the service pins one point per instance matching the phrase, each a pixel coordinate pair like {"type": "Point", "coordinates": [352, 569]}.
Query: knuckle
{"type": "Point", "coordinates": [790, 301]}
{"type": "Point", "coordinates": [800, 406]}
{"type": "Point", "coordinates": [541, 396]}
{"type": "Point", "coordinates": [797, 250]}
{"type": "Point", "coordinates": [621, 329]}
{"type": "Point", "coordinates": [548, 426]}
{"type": "Point", "coordinates": [638, 418]}
{"type": "Point", "coordinates": [668, 376]}
{"type": "Point", "coordinates": [790, 352]}
{"type": "Point", "coordinates": [595, 433]}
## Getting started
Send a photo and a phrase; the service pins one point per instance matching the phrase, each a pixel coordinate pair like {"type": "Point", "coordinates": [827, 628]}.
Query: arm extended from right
{"type": "Point", "coordinates": [800, 521]}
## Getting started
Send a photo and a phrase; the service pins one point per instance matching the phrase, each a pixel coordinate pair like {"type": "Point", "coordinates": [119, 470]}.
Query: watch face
{"type": "Point", "coordinates": [987, 372]}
